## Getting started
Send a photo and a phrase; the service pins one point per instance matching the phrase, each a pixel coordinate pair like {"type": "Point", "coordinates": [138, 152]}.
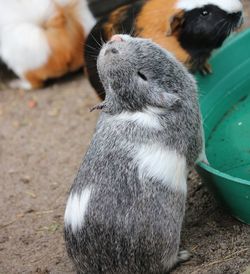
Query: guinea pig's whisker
{"type": "Point", "coordinates": [92, 67]}
{"type": "Point", "coordinates": [220, 21]}
{"type": "Point", "coordinates": [90, 51]}
{"type": "Point", "coordinates": [220, 29]}
{"type": "Point", "coordinates": [93, 56]}
{"type": "Point", "coordinates": [232, 27]}
{"type": "Point", "coordinates": [132, 30]}
{"type": "Point", "coordinates": [229, 29]}
{"type": "Point", "coordinates": [101, 93]}
{"type": "Point", "coordinates": [133, 25]}
{"type": "Point", "coordinates": [96, 49]}
{"type": "Point", "coordinates": [95, 40]}
{"type": "Point", "coordinates": [102, 40]}
{"type": "Point", "coordinates": [113, 31]}
{"type": "Point", "coordinates": [124, 31]}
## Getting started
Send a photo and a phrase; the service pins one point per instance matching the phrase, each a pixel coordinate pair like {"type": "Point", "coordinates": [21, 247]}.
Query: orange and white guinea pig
{"type": "Point", "coordinates": [190, 29]}
{"type": "Point", "coordinates": [42, 39]}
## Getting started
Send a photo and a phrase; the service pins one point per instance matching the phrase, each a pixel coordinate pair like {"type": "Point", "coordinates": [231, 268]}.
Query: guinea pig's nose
{"type": "Point", "coordinates": [111, 50]}
{"type": "Point", "coordinates": [116, 38]}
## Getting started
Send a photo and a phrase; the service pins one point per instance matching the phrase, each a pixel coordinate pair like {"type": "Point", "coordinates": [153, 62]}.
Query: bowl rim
{"type": "Point", "coordinates": [223, 175]}
{"type": "Point", "coordinates": [232, 40]}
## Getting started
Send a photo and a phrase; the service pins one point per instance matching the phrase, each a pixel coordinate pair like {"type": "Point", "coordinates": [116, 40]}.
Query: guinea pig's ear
{"type": "Point", "coordinates": [175, 23]}
{"type": "Point", "coordinates": [167, 100]}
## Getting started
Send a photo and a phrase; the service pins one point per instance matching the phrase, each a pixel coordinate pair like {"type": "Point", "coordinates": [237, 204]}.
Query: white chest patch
{"type": "Point", "coordinates": [229, 6]}
{"type": "Point", "coordinates": [76, 208]}
{"type": "Point", "coordinates": [166, 166]}
{"type": "Point", "coordinates": [146, 118]}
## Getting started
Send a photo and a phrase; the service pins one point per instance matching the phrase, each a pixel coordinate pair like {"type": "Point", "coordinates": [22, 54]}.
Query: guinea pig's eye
{"type": "Point", "coordinates": [142, 76]}
{"type": "Point", "coordinates": [204, 12]}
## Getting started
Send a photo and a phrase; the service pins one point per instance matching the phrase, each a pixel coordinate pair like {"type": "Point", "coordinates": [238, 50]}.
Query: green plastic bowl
{"type": "Point", "coordinates": [225, 105]}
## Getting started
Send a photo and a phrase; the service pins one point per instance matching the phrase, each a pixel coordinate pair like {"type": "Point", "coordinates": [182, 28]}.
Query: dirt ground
{"type": "Point", "coordinates": [43, 137]}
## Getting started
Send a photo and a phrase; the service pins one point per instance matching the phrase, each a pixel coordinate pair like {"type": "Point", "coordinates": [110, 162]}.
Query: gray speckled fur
{"type": "Point", "coordinates": [132, 226]}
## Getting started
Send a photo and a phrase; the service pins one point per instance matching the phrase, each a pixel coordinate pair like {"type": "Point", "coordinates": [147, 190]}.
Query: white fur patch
{"type": "Point", "coordinates": [22, 11]}
{"type": "Point", "coordinates": [20, 83]}
{"type": "Point", "coordinates": [76, 208]}
{"type": "Point", "coordinates": [164, 165]}
{"type": "Point", "coordinates": [86, 17]}
{"type": "Point", "coordinates": [23, 47]}
{"type": "Point", "coordinates": [23, 43]}
{"type": "Point", "coordinates": [147, 118]}
{"type": "Point", "coordinates": [230, 6]}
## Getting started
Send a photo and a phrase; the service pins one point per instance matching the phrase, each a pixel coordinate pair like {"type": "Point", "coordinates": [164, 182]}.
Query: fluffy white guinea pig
{"type": "Point", "coordinates": [43, 39]}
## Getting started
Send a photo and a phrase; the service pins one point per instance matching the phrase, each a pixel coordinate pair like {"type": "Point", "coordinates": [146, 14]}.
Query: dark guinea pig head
{"type": "Point", "coordinates": [205, 24]}
{"type": "Point", "coordinates": [137, 73]}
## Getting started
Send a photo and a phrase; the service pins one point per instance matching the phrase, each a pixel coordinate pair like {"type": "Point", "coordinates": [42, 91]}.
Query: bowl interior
{"type": "Point", "coordinates": [228, 137]}
{"type": "Point", "coordinates": [225, 104]}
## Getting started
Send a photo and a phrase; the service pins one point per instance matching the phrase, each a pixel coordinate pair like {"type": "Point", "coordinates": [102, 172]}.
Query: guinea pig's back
{"type": "Point", "coordinates": [126, 224]}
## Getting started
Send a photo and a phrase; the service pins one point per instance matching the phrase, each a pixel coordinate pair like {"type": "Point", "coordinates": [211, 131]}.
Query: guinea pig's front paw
{"type": "Point", "coordinates": [20, 84]}
{"type": "Point", "coordinates": [199, 65]}
{"type": "Point", "coordinates": [206, 69]}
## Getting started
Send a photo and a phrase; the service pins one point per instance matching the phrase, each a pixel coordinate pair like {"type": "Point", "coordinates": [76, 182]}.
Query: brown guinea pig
{"type": "Point", "coordinates": [190, 29]}
{"type": "Point", "coordinates": [43, 39]}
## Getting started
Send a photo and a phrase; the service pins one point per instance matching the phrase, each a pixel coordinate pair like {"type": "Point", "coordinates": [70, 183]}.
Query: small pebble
{"type": "Point", "coordinates": [54, 112]}
{"type": "Point", "coordinates": [26, 179]}
{"type": "Point", "coordinates": [223, 246]}
{"type": "Point", "coordinates": [32, 103]}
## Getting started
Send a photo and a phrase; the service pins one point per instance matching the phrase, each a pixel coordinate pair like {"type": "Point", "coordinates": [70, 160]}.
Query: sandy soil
{"type": "Point", "coordinates": [43, 137]}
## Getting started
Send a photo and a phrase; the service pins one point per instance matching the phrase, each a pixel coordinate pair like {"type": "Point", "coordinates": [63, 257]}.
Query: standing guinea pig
{"type": "Point", "coordinates": [125, 209]}
{"type": "Point", "coordinates": [190, 29]}
{"type": "Point", "coordinates": [42, 39]}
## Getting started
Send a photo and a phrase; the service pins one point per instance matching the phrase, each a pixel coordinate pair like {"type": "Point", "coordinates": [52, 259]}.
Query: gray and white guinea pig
{"type": "Point", "coordinates": [190, 29]}
{"type": "Point", "coordinates": [40, 40]}
{"type": "Point", "coordinates": [126, 206]}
